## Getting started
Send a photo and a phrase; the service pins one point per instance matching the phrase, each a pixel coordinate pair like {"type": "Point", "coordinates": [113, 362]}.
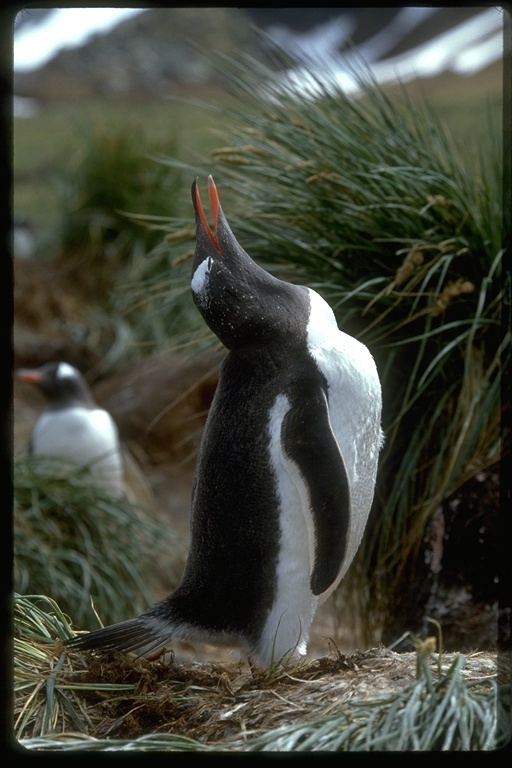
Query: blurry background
{"type": "Point", "coordinates": [70, 73]}
{"type": "Point", "coordinates": [98, 95]}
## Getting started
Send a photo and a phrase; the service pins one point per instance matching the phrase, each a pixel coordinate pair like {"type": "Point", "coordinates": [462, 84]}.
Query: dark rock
{"type": "Point", "coordinates": [456, 578]}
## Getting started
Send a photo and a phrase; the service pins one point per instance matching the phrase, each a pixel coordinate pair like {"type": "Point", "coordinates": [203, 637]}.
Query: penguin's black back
{"type": "Point", "coordinates": [234, 526]}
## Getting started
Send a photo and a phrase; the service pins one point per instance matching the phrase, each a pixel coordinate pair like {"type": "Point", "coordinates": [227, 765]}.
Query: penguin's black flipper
{"type": "Point", "coordinates": [309, 442]}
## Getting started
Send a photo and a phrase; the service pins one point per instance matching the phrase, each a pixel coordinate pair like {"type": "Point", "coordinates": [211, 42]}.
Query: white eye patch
{"type": "Point", "coordinates": [65, 371]}
{"type": "Point", "coordinates": [200, 277]}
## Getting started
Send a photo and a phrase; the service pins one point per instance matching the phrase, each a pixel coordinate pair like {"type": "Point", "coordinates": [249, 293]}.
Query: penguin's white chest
{"type": "Point", "coordinates": [288, 624]}
{"type": "Point", "coordinates": [355, 404]}
{"type": "Point", "coordinates": [84, 437]}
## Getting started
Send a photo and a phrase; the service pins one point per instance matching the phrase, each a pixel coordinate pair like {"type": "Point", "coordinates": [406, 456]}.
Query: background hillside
{"type": "Point", "coordinates": [451, 56]}
{"type": "Point", "coordinates": [158, 51]}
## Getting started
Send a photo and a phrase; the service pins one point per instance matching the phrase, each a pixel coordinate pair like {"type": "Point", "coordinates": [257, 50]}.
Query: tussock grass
{"type": "Point", "coordinates": [374, 203]}
{"type": "Point", "coordinates": [111, 195]}
{"type": "Point", "coordinates": [431, 714]}
{"type": "Point", "coordinates": [93, 553]}
{"type": "Point", "coordinates": [40, 705]}
{"type": "Point", "coordinates": [376, 700]}
{"type": "Point", "coordinates": [109, 182]}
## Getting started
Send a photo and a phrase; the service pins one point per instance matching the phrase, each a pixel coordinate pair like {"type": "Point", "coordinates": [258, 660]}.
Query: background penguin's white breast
{"type": "Point", "coordinates": [82, 436]}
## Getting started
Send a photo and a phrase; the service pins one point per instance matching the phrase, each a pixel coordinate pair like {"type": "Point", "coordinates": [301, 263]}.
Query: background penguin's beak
{"type": "Point", "coordinates": [29, 376]}
{"type": "Point", "coordinates": [214, 205]}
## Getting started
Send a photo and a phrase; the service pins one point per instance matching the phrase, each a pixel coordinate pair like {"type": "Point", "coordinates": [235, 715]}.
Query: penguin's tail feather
{"type": "Point", "coordinates": [134, 635]}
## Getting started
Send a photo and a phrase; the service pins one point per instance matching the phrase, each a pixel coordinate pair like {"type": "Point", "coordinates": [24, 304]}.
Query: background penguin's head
{"type": "Point", "coordinates": [240, 301]}
{"type": "Point", "coordinates": [62, 384]}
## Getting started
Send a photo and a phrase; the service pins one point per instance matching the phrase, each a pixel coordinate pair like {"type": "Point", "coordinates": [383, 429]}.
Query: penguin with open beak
{"type": "Point", "coordinates": [286, 469]}
{"type": "Point", "coordinates": [73, 427]}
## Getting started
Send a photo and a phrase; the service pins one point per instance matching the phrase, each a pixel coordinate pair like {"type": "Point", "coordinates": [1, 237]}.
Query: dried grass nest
{"type": "Point", "coordinates": [371, 700]}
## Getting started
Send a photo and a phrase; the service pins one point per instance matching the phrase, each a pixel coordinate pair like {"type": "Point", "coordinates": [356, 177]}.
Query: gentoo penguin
{"type": "Point", "coordinates": [286, 470]}
{"type": "Point", "coordinates": [73, 426]}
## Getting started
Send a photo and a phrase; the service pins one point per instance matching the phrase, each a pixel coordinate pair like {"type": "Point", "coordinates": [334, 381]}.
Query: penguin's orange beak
{"type": "Point", "coordinates": [215, 207]}
{"type": "Point", "coordinates": [28, 376]}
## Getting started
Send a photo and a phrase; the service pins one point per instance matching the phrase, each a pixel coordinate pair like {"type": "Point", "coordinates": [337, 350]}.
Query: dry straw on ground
{"type": "Point", "coordinates": [372, 700]}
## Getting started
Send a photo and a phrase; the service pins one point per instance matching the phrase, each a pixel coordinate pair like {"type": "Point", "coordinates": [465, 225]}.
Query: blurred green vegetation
{"type": "Point", "coordinates": [54, 143]}
{"type": "Point", "coordinates": [96, 554]}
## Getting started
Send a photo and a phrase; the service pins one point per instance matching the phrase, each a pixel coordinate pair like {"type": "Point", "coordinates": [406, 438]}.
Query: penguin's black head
{"type": "Point", "coordinates": [240, 301]}
{"type": "Point", "coordinates": [62, 384]}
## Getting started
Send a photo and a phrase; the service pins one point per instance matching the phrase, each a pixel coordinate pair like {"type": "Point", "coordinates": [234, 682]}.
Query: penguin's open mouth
{"type": "Point", "coordinates": [214, 205]}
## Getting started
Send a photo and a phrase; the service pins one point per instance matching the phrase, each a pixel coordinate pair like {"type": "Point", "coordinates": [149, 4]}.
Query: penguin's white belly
{"type": "Point", "coordinates": [354, 411]}
{"type": "Point", "coordinates": [355, 404]}
{"type": "Point", "coordinates": [288, 624]}
{"type": "Point", "coordinates": [84, 437]}
{"type": "Point", "coordinates": [354, 407]}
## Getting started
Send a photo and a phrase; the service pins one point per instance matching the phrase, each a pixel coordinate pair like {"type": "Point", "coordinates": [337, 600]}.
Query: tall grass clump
{"type": "Point", "coordinates": [113, 195]}
{"type": "Point", "coordinates": [107, 185]}
{"type": "Point", "coordinates": [95, 554]}
{"type": "Point", "coordinates": [368, 199]}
